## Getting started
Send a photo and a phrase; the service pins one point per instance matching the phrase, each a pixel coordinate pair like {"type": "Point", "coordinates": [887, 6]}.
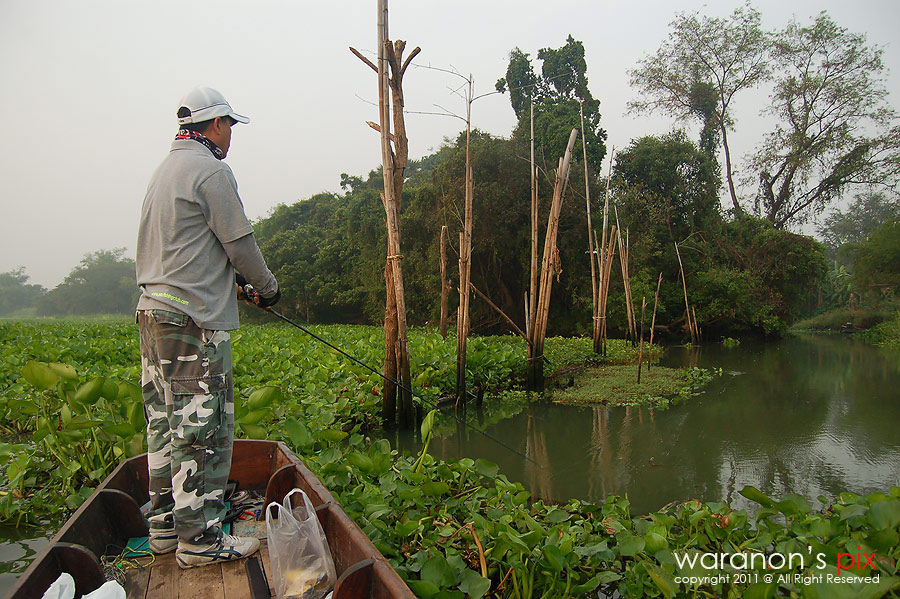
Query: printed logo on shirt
{"type": "Point", "coordinates": [171, 297]}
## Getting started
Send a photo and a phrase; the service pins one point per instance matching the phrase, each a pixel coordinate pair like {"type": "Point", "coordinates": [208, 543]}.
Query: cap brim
{"type": "Point", "coordinates": [239, 117]}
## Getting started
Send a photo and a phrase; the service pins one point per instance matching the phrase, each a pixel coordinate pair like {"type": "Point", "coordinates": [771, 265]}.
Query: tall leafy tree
{"type": "Point", "coordinates": [835, 127]}
{"type": "Point", "coordinates": [697, 72]}
{"type": "Point", "coordinates": [557, 92]}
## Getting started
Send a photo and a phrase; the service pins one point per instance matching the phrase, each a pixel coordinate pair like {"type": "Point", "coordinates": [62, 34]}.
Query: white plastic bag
{"type": "Point", "coordinates": [64, 588]}
{"type": "Point", "coordinates": [298, 551]}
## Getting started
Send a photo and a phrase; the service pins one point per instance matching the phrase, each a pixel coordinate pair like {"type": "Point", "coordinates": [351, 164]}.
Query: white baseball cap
{"type": "Point", "coordinates": [204, 104]}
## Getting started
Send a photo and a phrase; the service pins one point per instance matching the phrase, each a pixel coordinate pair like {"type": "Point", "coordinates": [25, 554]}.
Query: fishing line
{"type": "Point", "coordinates": [249, 290]}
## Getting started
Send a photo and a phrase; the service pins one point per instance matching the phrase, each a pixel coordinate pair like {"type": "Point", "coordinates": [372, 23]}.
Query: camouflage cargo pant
{"type": "Point", "coordinates": [189, 401]}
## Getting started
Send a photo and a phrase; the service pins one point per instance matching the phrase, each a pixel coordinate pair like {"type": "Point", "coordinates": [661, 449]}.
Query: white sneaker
{"type": "Point", "coordinates": [227, 548]}
{"type": "Point", "coordinates": [163, 538]}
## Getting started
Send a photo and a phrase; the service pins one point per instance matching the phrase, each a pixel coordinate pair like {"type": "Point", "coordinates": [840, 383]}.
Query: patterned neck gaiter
{"type": "Point", "coordinates": [199, 137]}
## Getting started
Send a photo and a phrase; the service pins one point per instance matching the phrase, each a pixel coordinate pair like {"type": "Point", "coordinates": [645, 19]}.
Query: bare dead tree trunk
{"type": "Point", "coordinates": [728, 174]}
{"type": "Point", "coordinates": [394, 160]}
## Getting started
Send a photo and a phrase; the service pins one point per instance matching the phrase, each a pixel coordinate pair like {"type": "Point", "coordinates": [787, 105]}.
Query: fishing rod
{"type": "Point", "coordinates": [249, 292]}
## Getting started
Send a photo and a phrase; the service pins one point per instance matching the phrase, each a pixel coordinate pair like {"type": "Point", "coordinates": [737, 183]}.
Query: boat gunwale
{"type": "Point", "coordinates": [125, 489]}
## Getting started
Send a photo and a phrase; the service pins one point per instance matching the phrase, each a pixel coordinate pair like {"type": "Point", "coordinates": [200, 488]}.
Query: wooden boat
{"type": "Point", "coordinates": [112, 515]}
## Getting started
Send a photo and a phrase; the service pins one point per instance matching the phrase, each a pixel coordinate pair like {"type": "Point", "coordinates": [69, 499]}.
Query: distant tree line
{"type": "Point", "coordinates": [745, 271]}
{"type": "Point", "coordinates": [102, 283]}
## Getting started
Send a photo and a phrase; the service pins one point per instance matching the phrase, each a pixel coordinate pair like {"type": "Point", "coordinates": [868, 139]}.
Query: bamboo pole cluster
{"type": "Point", "coordinates": [539, 324]}
{"type": "Point", "coordinates": [604, 253]}
{"type": "Point", "coordinates": [691, 322]}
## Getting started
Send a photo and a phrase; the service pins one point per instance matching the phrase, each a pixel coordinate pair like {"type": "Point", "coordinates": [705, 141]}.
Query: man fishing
{"type": "Point", "coordinates": [193, 236]}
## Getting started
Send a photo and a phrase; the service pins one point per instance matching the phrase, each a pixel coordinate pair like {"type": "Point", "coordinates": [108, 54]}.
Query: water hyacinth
{"type": "Point", "coordinates": [452, 529]}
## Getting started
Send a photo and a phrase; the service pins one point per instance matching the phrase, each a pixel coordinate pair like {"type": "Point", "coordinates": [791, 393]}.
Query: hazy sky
{"type": "Point", "coordinates": [89, 90]}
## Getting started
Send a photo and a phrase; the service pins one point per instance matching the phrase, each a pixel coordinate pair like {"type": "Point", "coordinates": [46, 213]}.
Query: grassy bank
{"type": "Point", "coordinates": [885, 334]}
{"type": "Point", "coordinates": [617, 385]}
{"type": "Point", "coordinates": [846, 320]}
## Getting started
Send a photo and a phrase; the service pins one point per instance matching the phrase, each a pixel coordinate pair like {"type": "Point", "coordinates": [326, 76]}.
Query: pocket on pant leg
{"type": "Point", "coordinates": [199, 407]}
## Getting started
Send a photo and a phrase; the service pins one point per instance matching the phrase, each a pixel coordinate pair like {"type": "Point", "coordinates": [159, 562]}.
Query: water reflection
{"type": "Point", "coordinates": [17, 550]}
{"type": "Point", "coordinates": [813, 416]}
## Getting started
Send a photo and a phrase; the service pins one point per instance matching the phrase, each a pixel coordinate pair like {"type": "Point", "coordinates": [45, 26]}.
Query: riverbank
{"type": "Point", "coordinates": [848, 320]}
{"type": "Point", "coordinates": [885, 334]}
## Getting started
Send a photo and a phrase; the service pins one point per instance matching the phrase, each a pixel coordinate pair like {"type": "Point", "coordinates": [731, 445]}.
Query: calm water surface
{"type": "Point", "coordinates": [809, 415]}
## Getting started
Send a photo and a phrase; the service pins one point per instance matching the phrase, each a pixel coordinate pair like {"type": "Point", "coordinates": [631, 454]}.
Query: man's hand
{"type": "Point", "coordinates": [241, 283]}
{"type": "Point", "coordinates": [243, 295]}
{"type": "Point", "coordinates": [253, 298]}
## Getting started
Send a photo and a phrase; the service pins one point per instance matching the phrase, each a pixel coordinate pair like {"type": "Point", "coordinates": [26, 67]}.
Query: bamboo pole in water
{"type": "Point", "coordinates": [687, 307]}
{"type": "Point", "coordinates": [595, 316]}
{"type": "Point", "coordinates": [497, 309]}
{"type": "Point", "coordinates": [604, 259]}
{"type": "Point", "coordinates": [626, 282]}
{"type": "Point", "coordinates": [653, 323]}
{"type": "Point", "coordinates": [445, 285]}
{"type": "Point", "coordinates": [533, 289]}
{"type": "Point", "coordinates": [465, 261]}
{"type": "Point", "coordinates": [610, 253]}
{"type": "Point", "coordinates": [641, 334]}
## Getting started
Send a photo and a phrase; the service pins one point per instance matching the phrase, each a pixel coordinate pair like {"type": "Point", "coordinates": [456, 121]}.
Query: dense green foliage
{"type": "Point", "coordinates": [877, 259]}
{"type": "Point", "coordinates": [328, 251]}
{"type": "Point", "coordinates": [452, 529]}
{"type": "Point", "coordinates": [862, 286]}
{"type": "Point", "coordinates": [858, 219]}
{"type": "Point", "coordinates": [834, 127]}
{"type": "Point", "coordinates": [17, 295]}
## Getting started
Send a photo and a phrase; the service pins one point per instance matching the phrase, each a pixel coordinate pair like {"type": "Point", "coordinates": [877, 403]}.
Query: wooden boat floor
{"type": "Point", "coordinates": [160, 576]}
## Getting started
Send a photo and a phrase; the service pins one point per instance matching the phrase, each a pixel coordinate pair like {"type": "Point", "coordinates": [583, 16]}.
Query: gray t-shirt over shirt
{"type": "Point", "coordinates": [191, 208]}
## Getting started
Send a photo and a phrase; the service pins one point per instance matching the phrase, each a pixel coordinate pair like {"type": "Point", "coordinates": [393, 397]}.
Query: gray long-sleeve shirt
{"type": "Point", "coordinates": [193, 233]}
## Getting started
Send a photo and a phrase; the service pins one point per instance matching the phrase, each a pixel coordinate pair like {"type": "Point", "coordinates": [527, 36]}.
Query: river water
{"type": "Point", "coordinates": [810, 415]}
